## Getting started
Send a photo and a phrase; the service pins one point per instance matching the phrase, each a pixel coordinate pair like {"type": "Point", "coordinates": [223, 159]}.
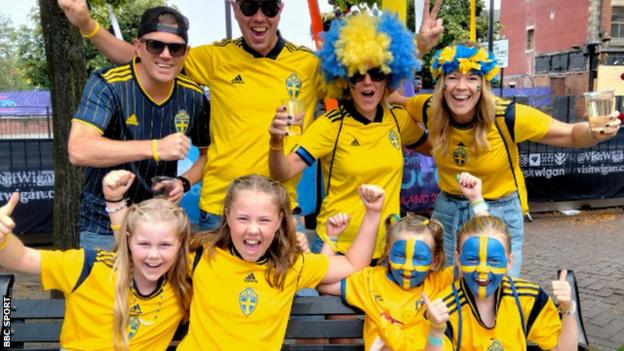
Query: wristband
{"type": "Point", "coordinates": [441, 326]}
{"type": "Point", "coordinates": [93, 33]}
{"type": "Point", "coordinates": [571, 310]}
{"type": "Point", "coordinates": [434, 340]}
{"type": "Point", "coordinates": [116, 209]}
{"type": "Point", "coordinates": [186, 184]}
{"type": "Point", "coordinates": [155, 150]}
{"type": "Point", "coordinates": [479, 206]}
{"type": "Point", "coordinates": [5, 241]}
{"type": "Point", "coordinates": [115, 227]}
{"type": "Point", "coordinates": [276, 148]}
{"type": "Point", "coordinates": [115, 201]}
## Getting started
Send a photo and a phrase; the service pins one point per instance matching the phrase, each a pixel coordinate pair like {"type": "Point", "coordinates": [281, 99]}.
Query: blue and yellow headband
{"type": "Point", "coordinates": [361, 41]}
{"type": "Point", "coordinates": [464, 59]}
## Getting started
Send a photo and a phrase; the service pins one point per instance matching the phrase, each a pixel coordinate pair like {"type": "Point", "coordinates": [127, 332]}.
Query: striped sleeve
{"type": "Point", "coordinates": [318, 140]}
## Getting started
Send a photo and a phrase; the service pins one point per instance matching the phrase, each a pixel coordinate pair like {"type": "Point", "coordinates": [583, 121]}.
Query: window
{"type": "Point", "coordinates": [617, 22]}
{"type": "Point", "coordinates": [530, 39]}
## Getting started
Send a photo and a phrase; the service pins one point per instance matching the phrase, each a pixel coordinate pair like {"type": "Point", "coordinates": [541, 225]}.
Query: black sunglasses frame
{"type": "Point", "coordinates": [250, 8]}
{"type": "Point", "coordinates": [156, 47]}
{"type": "Point", "coordinates": [376, 75]}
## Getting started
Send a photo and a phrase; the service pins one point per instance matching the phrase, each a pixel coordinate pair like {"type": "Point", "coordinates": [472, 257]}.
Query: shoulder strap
{"type": "Point", "coordinates": [515, 295]}
{"type": "Point", "coordinates": [87, 266]}
{"type": "Point", "coordinates": [425, 111]}
{"type": "Point", "coordinates": [331, 164]}
{"type": "Point", "coordinates": [507, 138]}
{"type": "Point", "coordinates": [198, 255]}
{"type": "Point", "coordinates": [395, 120]}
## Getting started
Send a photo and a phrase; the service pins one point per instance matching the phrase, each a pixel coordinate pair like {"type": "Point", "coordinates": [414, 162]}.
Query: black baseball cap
{"type": "Point", "coordinates": [149, 22]}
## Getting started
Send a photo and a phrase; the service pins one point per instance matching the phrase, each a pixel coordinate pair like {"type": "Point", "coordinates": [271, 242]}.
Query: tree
{"type": "Point", "coordinates": [12, 77]}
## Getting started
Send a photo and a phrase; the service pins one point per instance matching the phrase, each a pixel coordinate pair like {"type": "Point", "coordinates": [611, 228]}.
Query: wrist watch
{"type": "Point", "coordinates": [186, 184]}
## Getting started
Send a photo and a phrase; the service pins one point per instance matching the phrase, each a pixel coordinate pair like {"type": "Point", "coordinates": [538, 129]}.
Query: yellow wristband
{"type": "Point", "coordinates": [93, 33]}
{"type": "Point", "coordinates": [155, 150]}
{"type": "Point", "coordinates": [115, 227]}
{"type": "Point", "coordinates": [276, 148]}
{"type": "Point", "coordinates": [5, 241]}
{"type": "Point", "coordinates": [441, 326]}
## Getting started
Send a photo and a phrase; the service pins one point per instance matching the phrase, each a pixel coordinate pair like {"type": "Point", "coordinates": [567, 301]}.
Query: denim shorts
{"type": "Point", "coordinates": [209, 221]}
{"type": "Point", "coordinates": [90, 240]}
{"type": "Point", "coordinates": [453, 211]}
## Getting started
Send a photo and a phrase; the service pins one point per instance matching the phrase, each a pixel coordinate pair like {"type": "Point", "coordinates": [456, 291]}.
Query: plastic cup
{"type": "Point", "coordinates": [599, 105]}
{"type": "Point", "coordinates": [296, 110]}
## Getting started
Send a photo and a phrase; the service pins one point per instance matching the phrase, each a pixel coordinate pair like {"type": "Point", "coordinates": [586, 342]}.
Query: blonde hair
{"type": "Point", "coordinates": [154, 210]}
{"type": "Point", "coordinates": [441, 117]}
{"type": "Point", "coordinates": [414, 224]}
{"type": "Point", "coordinates": [484, 225]}
{"type": "Point", "coordinates": [283, 251]}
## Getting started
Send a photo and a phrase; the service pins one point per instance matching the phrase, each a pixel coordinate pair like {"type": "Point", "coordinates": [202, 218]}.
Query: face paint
{"type": "Point", "coordinates": [409, 262]}
{"type": "Point", "coordinates": [483, 263]}
{"type": "Point", "coordinates": [478, 88]}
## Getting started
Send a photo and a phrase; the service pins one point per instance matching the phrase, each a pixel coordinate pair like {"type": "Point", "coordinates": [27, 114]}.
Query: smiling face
{"type": "Point", "coordinates": [462, 93]}
{"type": "Point", "coordinates": [367, 93]}
{"type": "Point", "coordinates": [483, 262]}
{"type": "Point", "coordinates": [253, 219]}
{"type": "Point", "coordinates": [159, 68]}
{"type": "Point", "coordinates": [154, 247]}
{"type": "Point", "coordinates": [259, 30]}
{"type": "Point", "coordinates": [410, 259]}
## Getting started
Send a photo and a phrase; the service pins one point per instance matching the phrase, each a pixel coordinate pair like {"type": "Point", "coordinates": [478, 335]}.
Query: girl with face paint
{"type": "Point", "coordinates": [394, 295]}
{"type": "Point", "coordinates": [487, 309]}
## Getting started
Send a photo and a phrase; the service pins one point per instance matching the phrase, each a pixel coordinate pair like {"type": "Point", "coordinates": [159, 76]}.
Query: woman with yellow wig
{"type": "Point", "coordinates": [471, 130]}
{"type": "Point", "coordinates": [364, 57]}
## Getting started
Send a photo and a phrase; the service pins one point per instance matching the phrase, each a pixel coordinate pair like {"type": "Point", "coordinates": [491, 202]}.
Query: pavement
{"type": "Point", "coordinates": [590, 243]}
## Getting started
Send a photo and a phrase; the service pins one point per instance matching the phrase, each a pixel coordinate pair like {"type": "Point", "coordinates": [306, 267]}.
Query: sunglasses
{"type": "Point", "coordinates": [156, 47]}
{"type": "Point", "coordinates": [249, 8]}
{"type": "Point", "coordinates": [375, 74]}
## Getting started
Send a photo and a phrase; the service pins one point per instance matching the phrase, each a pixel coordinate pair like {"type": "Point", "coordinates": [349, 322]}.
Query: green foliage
{"type": "Point", "coordinates": [31, 51]}
{"type": "Point", "coordinates": [12, 77]}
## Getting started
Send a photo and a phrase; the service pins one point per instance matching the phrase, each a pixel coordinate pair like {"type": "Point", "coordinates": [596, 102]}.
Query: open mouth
{"type": "Point", "coordinates": [258, 32]}
{"type": "Point", "coordinates": [251, 246]}
{"type": "Point", "coordinates": [152, 266]}
{"type": "Point", "coordinates": [483, 282]}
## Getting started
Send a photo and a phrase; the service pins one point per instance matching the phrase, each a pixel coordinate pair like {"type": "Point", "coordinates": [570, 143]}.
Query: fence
{"type": "Point", "coordinates": [31, 125]}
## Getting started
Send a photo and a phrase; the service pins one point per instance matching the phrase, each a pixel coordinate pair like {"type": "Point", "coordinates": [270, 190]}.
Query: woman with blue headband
{"type": "Point", "coordinates": [471, 130]}
{"type": "Point", "coordinates": [363, 57]}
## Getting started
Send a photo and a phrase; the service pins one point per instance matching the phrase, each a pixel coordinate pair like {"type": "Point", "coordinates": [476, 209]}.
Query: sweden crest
{"type": "Point", "coordinates": [495, 346]}
{"type": "Point", "coordinates": [293, 86]}
{"type": "Point", "coordinates": [181, 120]}
{"type": "Point", "coordinates": [248, 300]}
{"type": "Point", "coordinates": [460, 155]}
{"type": "Point", "coordinates": [394, 139]}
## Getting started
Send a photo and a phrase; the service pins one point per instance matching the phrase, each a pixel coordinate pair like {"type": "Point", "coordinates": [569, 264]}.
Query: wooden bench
{"type": "Point", "coordinates": [38, 322]}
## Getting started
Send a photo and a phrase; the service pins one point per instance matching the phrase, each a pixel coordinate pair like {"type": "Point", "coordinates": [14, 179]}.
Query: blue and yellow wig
{"type": "Point", "coordinates": [361, 41]}
{"type": "Point", "coordinates": [464, 59]}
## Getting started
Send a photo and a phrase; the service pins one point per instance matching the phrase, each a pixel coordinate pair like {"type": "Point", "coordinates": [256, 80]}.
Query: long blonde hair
{"type": "Point", "coordinates": [154, 210]}
{"type": "Point", "coordinates": [440, 124]}
{"type": "Point", "coordinates": [283, 251]}
{"type": "Point", "coordinates": [415, 224]}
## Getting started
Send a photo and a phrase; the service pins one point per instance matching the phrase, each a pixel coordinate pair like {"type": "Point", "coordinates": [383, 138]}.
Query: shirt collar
{"type": "Point", "coordinates": [272, 54]}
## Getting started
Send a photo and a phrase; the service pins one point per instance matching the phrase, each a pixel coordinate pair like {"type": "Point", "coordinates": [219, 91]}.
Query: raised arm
{"type": "Point", "coordinates": [77, 13]}
{"type": "Point", "coordinates": [581, 134]}
{"type": "Point", "coordinates": [431, 28]}
{"type": "Point", "coordinates": [282, 167]}
{"type": "Point", "coordinates": [360, 253]}
{"type": "Point", "coordinates": [569, 330]}
{"type": "Point", "coordinates": [88, 147]}
{"type": "Point", "coordinates": [14, 256]}
{"type": "Point", "coordinates": [115, 184]}
{"type": "Point", "coordinates": [335, 225]}
{"type": "Point", "coordinates": [471, 188]}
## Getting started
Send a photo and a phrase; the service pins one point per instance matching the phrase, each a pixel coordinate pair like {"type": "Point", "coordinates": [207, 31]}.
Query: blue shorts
{"type": "Point", "coordinates": [209, 221]}
{"type": "Point", "coordinates": [453, 211]}
{"type": "Point", "coordinates": [90, 240]}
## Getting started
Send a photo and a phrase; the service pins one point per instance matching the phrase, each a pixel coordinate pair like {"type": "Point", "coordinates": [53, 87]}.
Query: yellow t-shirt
{"type": "Point", "coordinates": [87, 280]}
{"type": "Point", "coordinates": [372, 291]}
{"type": "Point", "coordinates": [541, 318]}
{"type": "Point", "coordinates": [245, 90]}
{"type": "Point", "coordinates": [367, 152]}
{"type": "Point", "coordinates": [234, 308]}
{"type": "Point", "coordinates": [492, 166]}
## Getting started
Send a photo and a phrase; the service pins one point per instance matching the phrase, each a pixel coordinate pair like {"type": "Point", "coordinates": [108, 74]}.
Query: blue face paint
{"type": "Point", "coordinates": [409, 262]}
{"type": "Point", "coordinates": [483, 263]}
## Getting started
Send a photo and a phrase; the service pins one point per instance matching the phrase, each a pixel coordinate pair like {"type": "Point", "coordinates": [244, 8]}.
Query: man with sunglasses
{"type": "Point", "coordinates": [247, 78]}
{"type": "Point", "coordinates": [138, 116]}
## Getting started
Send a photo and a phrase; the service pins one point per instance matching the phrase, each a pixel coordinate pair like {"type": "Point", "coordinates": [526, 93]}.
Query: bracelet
{"type": "Point", "coordinates": [116, 209]}
{"type": "Point", "coordinates": [155, 150]}
{"type": "Point", "coordinates": [5, 241]}
{"type": "Point", "coordinates": [276, 148]}
{"type": "Point", "coordinates": [115, 227]}
{"type": "Point", "coordinates": [571, 310]}
{"type": "Point", "coordinates": [93, 33]}
{"type": "Point", "coordinates": [479, 206]}
{"type": "Point", "coordinates": [441, 326]}
{"type": "Point", "coordinates": [115, 201]}
{"type": "Point", "coordinates": [434, 340]}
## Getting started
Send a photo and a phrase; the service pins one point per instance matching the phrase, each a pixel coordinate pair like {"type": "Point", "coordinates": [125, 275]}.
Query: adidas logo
{"type": "Point", "coordinates": [355, 142]}
{"type": "Point", "coordinates": [238, 80]}
{"type": "Point", "coordinates": [132, 120]}
{"type": "Point", "coordinates": [251, 278]}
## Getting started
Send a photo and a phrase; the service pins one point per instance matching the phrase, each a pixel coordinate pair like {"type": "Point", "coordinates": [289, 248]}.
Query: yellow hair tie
{"type": "Point", "coordinates": [93, 33]}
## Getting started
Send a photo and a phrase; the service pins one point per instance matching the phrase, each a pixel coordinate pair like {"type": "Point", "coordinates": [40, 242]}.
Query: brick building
{"type": "Point", "coordinates": [561, 43]}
